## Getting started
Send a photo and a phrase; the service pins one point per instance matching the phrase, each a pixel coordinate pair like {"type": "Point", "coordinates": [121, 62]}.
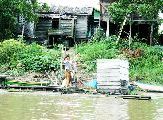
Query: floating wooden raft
{"type": "Point", "coordinates": [138, 97]}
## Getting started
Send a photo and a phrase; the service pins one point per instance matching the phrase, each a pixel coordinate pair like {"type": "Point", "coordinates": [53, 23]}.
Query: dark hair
{"type": "Point", "coordinates": [66, 56]}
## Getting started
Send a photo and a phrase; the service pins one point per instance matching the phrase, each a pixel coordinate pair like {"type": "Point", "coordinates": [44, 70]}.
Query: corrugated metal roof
{"type": "Point", "coordinates": [72, 3]}
{"type": "Point", "coordinates": [71, 10]}
{"type": "Point", "coordinates": [49, 15]}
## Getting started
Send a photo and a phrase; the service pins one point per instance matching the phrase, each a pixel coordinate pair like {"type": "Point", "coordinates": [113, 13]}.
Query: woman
{"type": "Point", "coordinates": [68, 69]}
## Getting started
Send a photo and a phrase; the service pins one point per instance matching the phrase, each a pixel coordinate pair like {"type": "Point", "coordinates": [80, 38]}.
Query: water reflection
{"type": "Point", "coordinates": [141, 110]}
{"type": "Point", "coordinates": [51, 106]}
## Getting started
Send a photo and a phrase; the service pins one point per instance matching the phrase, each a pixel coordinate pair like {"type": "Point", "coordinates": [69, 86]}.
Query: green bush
{"type": "Point", "coordinates": [146, 67]}
{"type": "Point", "coordinates": [16, 55]}
{"type": "Point", "coordinates": [89, 52]}
{"type": "Point", "coordinates": [8, 48]}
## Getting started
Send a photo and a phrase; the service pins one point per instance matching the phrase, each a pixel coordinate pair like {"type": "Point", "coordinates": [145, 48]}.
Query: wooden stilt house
{"type": "Point", "coordinates": [65, 25]}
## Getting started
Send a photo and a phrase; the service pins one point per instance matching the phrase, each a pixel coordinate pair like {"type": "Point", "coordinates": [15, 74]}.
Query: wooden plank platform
{"type": "Point", "coordinates": [53, 88]}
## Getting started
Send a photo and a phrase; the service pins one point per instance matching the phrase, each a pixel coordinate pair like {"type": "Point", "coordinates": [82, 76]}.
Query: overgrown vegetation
{"type": "Point", "coordinates": [11, 10]}
{"type": "Point", "coordinates": [145, 61]}
{"type": "Point", "coordinates": [123, 12]}
{"type": "Point", "coordinates": [148, 9]}
{"type": "Point", "coordinates": [97, 49]}
{"type": "Point", "coordinates": [18, 57]}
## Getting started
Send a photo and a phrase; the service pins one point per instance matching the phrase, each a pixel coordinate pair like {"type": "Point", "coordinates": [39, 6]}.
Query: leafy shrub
{"type": "Point", "coordinates": [19, 56]}
{"type": "Point", "coordinates": [89, 52]}
{"type": "Point", "coordinates": [147, 67]}
{"type": "Point", "coordinates": [145, 61]}
{"type": "Point", "coordinates": [8, 48]}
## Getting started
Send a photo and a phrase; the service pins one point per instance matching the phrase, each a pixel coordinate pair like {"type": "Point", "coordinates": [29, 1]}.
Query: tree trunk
{"type": "Point", "coordinates": [121, 29]}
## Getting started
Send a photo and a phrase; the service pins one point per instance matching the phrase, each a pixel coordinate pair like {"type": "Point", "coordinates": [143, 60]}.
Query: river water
{"type": "Point", "coordinates": [54, 106]}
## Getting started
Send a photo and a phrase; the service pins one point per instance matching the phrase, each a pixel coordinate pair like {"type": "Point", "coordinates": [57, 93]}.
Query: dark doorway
{"type": "Point", "coordinates": [55, 39]}
{"type": "Point", "coordinates": [161, 39]}
{"type": "Point", "coordinates": [55, 23]}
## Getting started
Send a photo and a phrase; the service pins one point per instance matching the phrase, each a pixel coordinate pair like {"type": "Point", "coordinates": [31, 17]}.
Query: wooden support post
{"type": "Point", "coordinates": [130, 34]}
{"type": "Point", "coordinates": [23, 30]}
{"type": "Point", "coordinates": [100, 14]}
{"type": "Point", "coordinates": [73, 25]}
{"type": "Point", "coordinates": [61, 59]}
{"type": "Point", "coordinates": [151, 35]}
{"type": "Point", "coordinates": [107, 31]}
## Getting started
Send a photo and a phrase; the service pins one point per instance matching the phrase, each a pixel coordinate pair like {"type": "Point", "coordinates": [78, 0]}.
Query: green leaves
{"type": "Point", "coordinates": [18, 55]}
{"type": "Point", "coordinates": [148, 9]}
{"type": "Point", "coordinates": [147, 66]}
{"type": "Point", "coordinates": [97, 49]}
{"type": "Point", "coordinates": [10, 10]}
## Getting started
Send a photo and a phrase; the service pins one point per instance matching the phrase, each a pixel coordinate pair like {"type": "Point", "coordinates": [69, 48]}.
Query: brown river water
{"type": "Point", "coordinates": [54, 106]}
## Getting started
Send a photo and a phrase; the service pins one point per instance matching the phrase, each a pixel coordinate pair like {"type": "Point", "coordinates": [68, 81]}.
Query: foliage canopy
{"type": "Point", "coordinates": [148, 9]}
{"type": "Point", "coordinates": [10, 10]}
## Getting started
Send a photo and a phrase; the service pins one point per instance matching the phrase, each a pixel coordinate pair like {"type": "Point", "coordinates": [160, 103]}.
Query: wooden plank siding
{"type": "Point", "coordinates": [111, 73]}
{"type": "Point", "coordinates": [72, 26]}
{"type": "Point", "coordinates": [81, 27]}
{"type": "Point", "coordinates": [67, 26]}
{"type": "Point", "coordinates": [42, 27]}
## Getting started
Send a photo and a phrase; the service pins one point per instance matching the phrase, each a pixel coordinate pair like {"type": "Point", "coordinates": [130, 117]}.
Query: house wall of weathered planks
{"type": "Point", "coordinates": [67, 26]}
{"type": "Point", "coordinates": [81, 27]}
{"type": "Point", "coordinates": [42, 27]}
{"type": "Point", "coordinates": [44, 24]}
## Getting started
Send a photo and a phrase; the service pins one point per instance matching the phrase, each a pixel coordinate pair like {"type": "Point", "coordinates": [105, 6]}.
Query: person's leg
{"type": "Point", "coordinates": [68, 78]}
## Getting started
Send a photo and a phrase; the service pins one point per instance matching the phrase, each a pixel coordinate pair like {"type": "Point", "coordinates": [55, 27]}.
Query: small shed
{"type": "Point", "coordinates": [113, 75]}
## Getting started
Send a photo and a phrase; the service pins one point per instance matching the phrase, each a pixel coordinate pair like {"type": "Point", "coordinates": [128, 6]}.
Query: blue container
{"type": "Point", "coordinates": [92, 84]}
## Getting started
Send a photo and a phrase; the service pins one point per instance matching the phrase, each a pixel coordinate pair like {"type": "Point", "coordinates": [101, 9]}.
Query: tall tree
{"type": "Point", "coordinates": [9, 12]}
